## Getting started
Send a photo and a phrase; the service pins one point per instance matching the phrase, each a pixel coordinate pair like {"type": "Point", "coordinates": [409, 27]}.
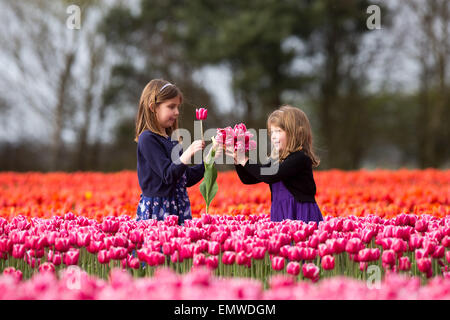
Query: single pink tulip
{"type": "Point", "coordinates": [388, 257]}
{"type": "Point", "coordinates": [243, 259]}
{"type": "Point", "coordinates": [421, 225]}
{"type": "Point", "coordinates": [404, 264]}
{"type": "Point", "coordinates": [57, 258]}
{"type": "Point", "coordinates": [228, 257]}
{"type": "Point", "coordinates": [71, 257]}
{"type": "Point", "coordinates": [447, 256]}
{"type": "Point", "coordinates": [258, 253]}
{"type": "Point", "coordinates": [201, 114]}
{"type": "Point", "coordinates": [354, 245]}
{"type": "Point", "coordinates": [199, 260]}
{"type": "Point", "coordinates": [277, 263]}
{"type": "Point", "coordinates": [311, 271]}
{"type": "Point", "coordinates": [424, 265]}
{"type": "Point", "coordinates": [62, 244]}
{"type": "Point", "coordinates": [47, 267]}
{"type": "Point", "coordinates": [212, 262]}
{"type": "Point", "coordinates": [328, 262]}
{"type": "Point", "coordinates": [18, 251]}
{"type": "Point", "coordinates": [293, 268]}
{"type": "Point", "coordinates": [213, 248]}
{"type": "Point", "coordinates": [103, 257]}
{"type": "Point", "coordinates": [363, 266]}
{"type": "Point", "coordinates": [439, 252]}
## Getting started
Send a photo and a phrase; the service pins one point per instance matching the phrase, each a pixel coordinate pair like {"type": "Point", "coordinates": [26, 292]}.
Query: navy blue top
{"type": "Point", "coordinates": [157, 174]}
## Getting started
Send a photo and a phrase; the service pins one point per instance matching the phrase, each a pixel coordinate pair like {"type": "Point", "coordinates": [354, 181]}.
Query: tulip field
{"type": "Point", "coordinates": [75, 236]}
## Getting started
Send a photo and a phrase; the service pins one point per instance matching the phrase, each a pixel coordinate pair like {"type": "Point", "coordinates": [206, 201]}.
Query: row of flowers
{"type": "Point", "coordinates": [339, 194]}
{"type": "Point", "coordinates": [199, 284]}
{"type": "Point", "coordinates": [249, 246]}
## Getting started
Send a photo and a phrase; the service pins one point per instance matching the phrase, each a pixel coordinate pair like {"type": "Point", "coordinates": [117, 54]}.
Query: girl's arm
{"type": "Point", "coordinates": [244, 176]}
{"type": "Point", "coordinates": [157, 157]}
{"type": "Point", "coordinates": [195, 174]}
{"type": "Point", "coordinates": [294, 163]}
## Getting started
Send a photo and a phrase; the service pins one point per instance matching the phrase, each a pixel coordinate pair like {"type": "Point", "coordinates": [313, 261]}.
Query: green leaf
{"type": "Point", "coordinates": [209, 186]}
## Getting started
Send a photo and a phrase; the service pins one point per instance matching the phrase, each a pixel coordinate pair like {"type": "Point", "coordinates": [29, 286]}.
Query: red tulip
{"type": "Point", "coordinates": [328, 262]}
{"type": "Point", "coordinates": [277, 263]}
{"type": "Point", "coordinates": [311, 271]}
{"type": "Point", "coordinates": [293, 268]}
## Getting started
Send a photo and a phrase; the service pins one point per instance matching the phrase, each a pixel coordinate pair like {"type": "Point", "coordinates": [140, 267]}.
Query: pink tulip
{"type": "Point", "coordinates": [57, 258]}
{"type": "Point", "coordinates": [365, 255]}
{"type": "Point", "coordinates": [421, 225]}
{"type": "Point", "coordinates": [175, 257]}
{"type": "Point", "coordinates": [447, 256]}
{"type": "Point", "coordinates": [199, 259]}
{"type": "Point", "coordinates": [353, 245]}
{"type": "Point", "coordinates": [62, 244]}
{"type": "Point", "coordinates": [103, 257]}
{"type": "Point", "coordinates": [446, 241]}
{"type": "Point", "coordinates": [201, 114]}
{"type": "Point", "coordinates": [16, 274]}
{"type": "Point", "coordinates": [18, 251]}
{"type": "Point", "coordinates": [363, 266]}
{"type": "Point", "coordinates": [424, 265]}
{"type": "Point", "coordinates": [388, 257]}
{"type": "Point", "coordinates": [71, 257]}
{"type": "Point", "coordinates": [243, 259]}
{"type": "Point", "coordinates": [228, 257]}
{"type": "Point", "coordinates": [258, 253]}
{"type": "Point", "coordinates": [399, 245]}
{"type": "Point", "coordinates": [323, 250]}
{"type": "Point", "coordinates": [404, 264]}
{"type": "Point", "coordinates": [328, 262]}
{"type": "Point", "coordinates": [439, 252]}
{"type": "Point", "coordinates": [213, 248]}
{"type": "Point", "coordinates": [310, 271]}
{"type": "Point", "coordinates": [293, 268]}
{"type": "Point", "coordinates": [212, 262]}
{"type": "Point", "coordinates": [47, 267]}
{"type": "Point", "coordinates": [277, 263]}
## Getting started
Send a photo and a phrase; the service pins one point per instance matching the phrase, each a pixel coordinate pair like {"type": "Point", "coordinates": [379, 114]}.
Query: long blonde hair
{"type": "Point", "coordinates": [298, 132]}
{"type": "Point", "coordinates": [152, 96]}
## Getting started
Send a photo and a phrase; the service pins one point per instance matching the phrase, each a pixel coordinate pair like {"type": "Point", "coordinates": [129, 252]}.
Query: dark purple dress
{"type": "Point", "coordinates": [284, 206]}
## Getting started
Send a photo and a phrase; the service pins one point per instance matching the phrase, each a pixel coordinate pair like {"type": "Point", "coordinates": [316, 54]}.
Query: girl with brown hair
{"type": "Point", "coordinates": [163, 182]}
{"type": "Point", "coordinates": [292, 185]}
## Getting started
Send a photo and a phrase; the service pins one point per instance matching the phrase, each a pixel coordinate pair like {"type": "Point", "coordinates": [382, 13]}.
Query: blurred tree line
{"type": "Point", "coordinates": [317, 55]}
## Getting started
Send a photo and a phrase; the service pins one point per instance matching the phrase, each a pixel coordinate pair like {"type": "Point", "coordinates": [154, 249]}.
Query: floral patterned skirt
{"type": "Point", "coordinates": [160, 207]}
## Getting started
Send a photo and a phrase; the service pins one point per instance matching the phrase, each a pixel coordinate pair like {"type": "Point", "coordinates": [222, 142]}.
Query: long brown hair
{"type": "Point", "coordinates": [152, 96]}
{"type": "Point", "coordinates": [298, 132]}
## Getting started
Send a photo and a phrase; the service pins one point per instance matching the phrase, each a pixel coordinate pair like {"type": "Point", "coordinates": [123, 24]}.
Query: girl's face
{"type": "Point", "coordinates": [168, 111]}
{"type": "Point", "coordinates": [278, 137]}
